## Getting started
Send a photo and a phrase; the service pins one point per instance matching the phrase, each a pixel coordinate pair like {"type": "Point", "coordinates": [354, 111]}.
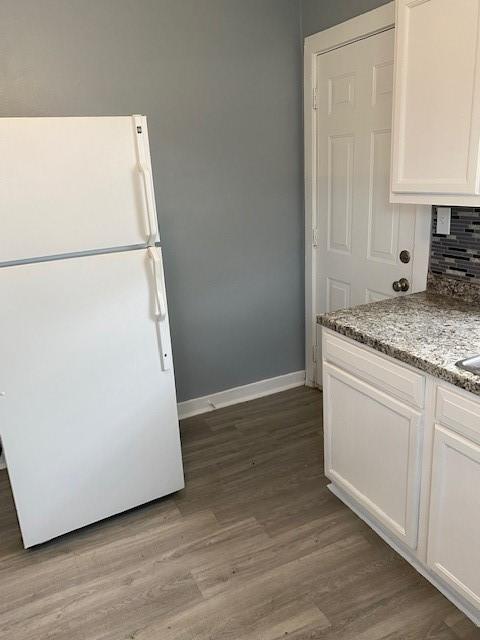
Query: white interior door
{"type": "Point", "coordinates": [359, 233]}
{"type": "Point", "coordinates": [71, 185]}
{"type": "Point", "coordinates": [88, 415]}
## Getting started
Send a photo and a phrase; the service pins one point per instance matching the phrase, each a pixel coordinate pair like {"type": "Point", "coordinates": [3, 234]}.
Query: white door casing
{"type": "Point", "coordinates": [353, 234]}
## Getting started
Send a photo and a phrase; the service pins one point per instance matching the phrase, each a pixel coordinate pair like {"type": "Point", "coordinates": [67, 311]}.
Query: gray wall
{"type": "Point", "coordinates": [220, 83]}
{"type": "Point", "coordinates": [321, 14]}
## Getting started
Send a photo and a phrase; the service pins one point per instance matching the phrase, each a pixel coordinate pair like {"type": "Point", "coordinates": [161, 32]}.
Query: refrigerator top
{"type": "Point", "coordinates": [74, 185]}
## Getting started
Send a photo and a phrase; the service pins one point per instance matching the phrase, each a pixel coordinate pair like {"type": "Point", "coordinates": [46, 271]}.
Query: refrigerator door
{"type": "Point", "coordinates": [71, 185]}
{"type": "Point", "coordinates": [88, 414]}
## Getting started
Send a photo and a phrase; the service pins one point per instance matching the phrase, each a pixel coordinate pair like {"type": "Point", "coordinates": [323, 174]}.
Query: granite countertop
{"type": "Point", "coordinates": [425, 330]}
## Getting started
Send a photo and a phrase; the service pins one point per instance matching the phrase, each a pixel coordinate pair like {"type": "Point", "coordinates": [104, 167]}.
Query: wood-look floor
{"type": "Point", "coordinates": [255, 548]}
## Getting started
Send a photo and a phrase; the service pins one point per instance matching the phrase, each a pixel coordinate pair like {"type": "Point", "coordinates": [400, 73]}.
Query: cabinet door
{"type": "Point", "coordinates": [372, 451]}
{"type": "Point", "coordinates": [454, 527]}
{"type": "Point", "coordinates": [437, 98]}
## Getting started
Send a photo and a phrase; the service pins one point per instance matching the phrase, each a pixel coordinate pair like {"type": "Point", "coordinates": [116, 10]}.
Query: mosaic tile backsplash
{"type": "Point", "coordinates": [458, 254]}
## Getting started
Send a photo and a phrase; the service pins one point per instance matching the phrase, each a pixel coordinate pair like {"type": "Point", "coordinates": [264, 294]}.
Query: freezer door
{"type": "Point", "coordinates": [72, 185]}
{"type": "Point", "coordinates": [88, 415]}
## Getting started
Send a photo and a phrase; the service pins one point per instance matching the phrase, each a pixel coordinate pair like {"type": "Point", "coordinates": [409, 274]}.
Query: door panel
{"type": "Point", "coordinates": [86, 190]}
{"type": "Point", "coordinates": [382, 87]}
{"type": "Point", "coordinates": [338, 294]}
{"type": "Point", "coordinates": [341, 93]}
{"type": "Point", "coordinates": [340, 191]}
{"type": "Point", "coordinates": [383, 223]}
{"type": "Point", "coordinates": [360, 233]}
{"type": "Point", "coordinates": [88, 418]}
{"type": "Point", "coordinates": [374, 296]}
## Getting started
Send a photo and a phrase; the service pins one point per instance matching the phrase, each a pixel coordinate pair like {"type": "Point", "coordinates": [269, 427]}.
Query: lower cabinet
{"type": "Point", "coordinates": [453, 551]}
{"type": "Point", "coordinates": [403, 450]}
{"type": "Point", "coordinates": [372, 451]}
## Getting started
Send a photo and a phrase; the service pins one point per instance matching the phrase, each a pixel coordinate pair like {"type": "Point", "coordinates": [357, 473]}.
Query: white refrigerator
{"type": "Point", "coordinates": [88, 414]}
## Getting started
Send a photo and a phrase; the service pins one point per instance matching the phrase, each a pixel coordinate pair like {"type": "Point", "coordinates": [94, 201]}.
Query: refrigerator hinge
{"type": "Point", "coordinates": [314, 104]}
{"type": "Point", "coordinates": [315, 237]}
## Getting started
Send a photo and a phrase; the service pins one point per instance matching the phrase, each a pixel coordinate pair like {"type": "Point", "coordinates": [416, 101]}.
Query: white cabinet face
{"type": "Point", "coordinates": [454, 526]}
{"type": "Point", "coordinates": [372, 451]}
{"type": "Point", "coordinates": [437, 99]}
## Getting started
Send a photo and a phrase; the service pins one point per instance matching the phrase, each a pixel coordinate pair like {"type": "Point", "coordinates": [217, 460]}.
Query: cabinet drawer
{"type": "Point", "coordinates": [381, 372]}
{"type": "Point", "coordinates": [459, 412]}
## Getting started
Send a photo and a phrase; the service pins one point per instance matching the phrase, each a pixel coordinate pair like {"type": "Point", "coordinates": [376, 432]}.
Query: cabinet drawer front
{"type": "Point", "coordinates": [458, 412]}
{"type": "Point", "coordinates": [453, 551]}
{"type": "Point", "coordinates": [381, 372]}
{"type": "Point", "coordinates": [372, 445]}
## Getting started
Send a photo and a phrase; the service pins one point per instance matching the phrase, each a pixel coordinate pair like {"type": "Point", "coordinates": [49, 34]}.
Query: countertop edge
{"type": "Point", "coordinates": [398, 354]}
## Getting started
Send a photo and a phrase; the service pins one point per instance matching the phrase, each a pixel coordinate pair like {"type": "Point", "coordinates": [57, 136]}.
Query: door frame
{"type": "Point", "coordinates": [359, 28]}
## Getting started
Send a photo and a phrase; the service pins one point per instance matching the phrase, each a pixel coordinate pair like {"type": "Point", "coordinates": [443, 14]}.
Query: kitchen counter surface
{"type": "Point", "coordinates": [425, 330]}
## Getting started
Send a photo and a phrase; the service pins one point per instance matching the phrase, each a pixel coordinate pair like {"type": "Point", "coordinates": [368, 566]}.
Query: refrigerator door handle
{"type": "Point", "coordinates": [158, 273]}
{"type": "Point", "coordinates": [161, 310]}
{"type": "Point", "coordinates": [144, 168]}
{"type": "Point", "coordinates": [149, 199]}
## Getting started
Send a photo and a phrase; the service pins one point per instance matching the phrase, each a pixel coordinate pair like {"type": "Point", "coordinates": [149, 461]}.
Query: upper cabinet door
{"type": "Point", "coordinates": [72, 185]}
{"type": "Point", "coordinates": [437, 101]}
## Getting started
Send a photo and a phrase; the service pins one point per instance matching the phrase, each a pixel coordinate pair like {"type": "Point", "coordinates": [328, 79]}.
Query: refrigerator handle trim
{"type": "Point", "coordinates": [140, 126]}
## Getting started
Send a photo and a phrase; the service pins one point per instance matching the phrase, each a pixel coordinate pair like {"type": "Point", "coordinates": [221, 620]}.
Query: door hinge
{"type": "Point", "coordinates": [314, 353]}
{"type": "Point", "coordinates": [315, 237]}
{"type": "Point", "coordinates": [315, 106]}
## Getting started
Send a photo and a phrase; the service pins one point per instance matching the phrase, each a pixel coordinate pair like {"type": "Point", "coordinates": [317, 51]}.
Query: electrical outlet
{"type": "Point", "coordinates": [444, 215]}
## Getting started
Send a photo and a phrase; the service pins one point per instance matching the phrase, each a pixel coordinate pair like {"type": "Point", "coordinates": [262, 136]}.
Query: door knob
{"type": "Point", "coordinates": [401, 285]}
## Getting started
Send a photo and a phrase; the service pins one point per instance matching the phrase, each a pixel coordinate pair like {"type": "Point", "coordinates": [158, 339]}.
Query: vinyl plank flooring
{"type": "Point", "coordinates": [254, 548]}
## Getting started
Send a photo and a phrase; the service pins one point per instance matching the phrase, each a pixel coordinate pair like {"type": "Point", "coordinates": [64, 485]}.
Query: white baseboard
{"type": "Point", "coordinates": [240, 394]}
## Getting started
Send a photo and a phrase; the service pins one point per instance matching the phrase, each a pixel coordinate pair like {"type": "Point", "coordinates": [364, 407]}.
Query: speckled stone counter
{"type": "Point", "coordinates": [425, 330]}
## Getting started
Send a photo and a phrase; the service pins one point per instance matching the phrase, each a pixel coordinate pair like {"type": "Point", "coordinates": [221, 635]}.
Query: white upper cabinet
{"type": "Point", "coordinates": [436, 115]}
